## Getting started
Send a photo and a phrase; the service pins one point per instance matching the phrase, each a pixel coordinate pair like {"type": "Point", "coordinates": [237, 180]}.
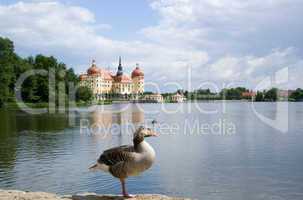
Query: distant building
{"type": "Point", "coordinates": [249, 95]}
{"type": "Point", "coordinates": [178, 98]}
{"type": "Point", "coordinates": [156, 98]}
{"type": "Point", "coordinates": [284, 94]}
{"type": "Point", "coordinates": [104, 84]}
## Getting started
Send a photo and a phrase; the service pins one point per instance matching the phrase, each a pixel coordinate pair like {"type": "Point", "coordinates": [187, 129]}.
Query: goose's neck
{"type": "Point", "coordinates": [144, 147]}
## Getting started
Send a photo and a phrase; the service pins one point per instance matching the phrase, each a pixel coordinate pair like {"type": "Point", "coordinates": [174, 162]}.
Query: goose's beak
{"type": "Point", "coordinates": [152, 133]}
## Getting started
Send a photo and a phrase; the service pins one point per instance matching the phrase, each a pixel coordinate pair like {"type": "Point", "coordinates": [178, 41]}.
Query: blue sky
{"type": "Point", "coordinates": [125, 17]}
{"type": "Point", "coordinates": [224, 42]}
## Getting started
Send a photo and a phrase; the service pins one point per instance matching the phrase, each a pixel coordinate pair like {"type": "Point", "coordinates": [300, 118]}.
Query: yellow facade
{"type": "Point", "coordinates": [103, 83]}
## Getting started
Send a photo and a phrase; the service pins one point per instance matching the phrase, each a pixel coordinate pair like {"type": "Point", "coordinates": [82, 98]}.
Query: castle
{"type": "Point", "coordinates": [106, 85]}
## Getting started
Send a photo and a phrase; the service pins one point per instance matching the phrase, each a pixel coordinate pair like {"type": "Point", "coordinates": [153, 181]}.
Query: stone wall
{"type": "Point", "coordinates": [21, 195]}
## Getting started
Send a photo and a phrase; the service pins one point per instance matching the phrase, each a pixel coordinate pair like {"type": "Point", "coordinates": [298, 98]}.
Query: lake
{"type": "Point", "coordinates": [206, 150]}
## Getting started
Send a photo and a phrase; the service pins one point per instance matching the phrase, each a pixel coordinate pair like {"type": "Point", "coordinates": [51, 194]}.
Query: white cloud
{"type": "Point", "coordinates": [72, 32]}
{"type": "Point", "coordinates": [220, 40]}
{"type": "Point", "coordinates": [250, 70]}
{"type": "Point", "coordinates": [234, 25]}
{"type": "Point", "coordinates": [246, 40]}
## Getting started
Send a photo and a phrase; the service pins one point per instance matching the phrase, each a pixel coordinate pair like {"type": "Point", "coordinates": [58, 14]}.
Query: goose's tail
{"type": "Point", "coordinates": [99, 166]}
{"type": "Point", "coordinates": [93, 168]}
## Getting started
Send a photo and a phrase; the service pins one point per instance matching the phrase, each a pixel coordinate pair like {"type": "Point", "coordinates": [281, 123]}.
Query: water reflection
{"type": "Point", "coordinates": [102, 120]}
{"type": "Point", "coordinates": [48, 153]}
{"type": "Point", "coordinates": [36, 145]}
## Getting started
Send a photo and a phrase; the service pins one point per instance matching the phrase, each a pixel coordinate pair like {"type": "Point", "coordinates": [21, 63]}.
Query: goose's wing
{"type": "Point", "coordinates": [127, 148]}
{"type": "Point", "coordinates": [116, 155]}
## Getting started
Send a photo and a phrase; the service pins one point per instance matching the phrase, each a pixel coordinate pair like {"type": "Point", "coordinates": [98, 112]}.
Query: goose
{"type": "Point", "coordinates": [125, 161]}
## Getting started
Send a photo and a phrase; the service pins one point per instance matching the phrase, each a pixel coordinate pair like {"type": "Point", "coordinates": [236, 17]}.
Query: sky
{"type": "Point", "coordinates": [185, 44]}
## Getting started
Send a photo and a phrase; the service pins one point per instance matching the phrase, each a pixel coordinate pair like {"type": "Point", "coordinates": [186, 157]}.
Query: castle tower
{"type": "Point", "coordinates": [120, 69]}
{"type": "Point", "coordinates": [138, 80]}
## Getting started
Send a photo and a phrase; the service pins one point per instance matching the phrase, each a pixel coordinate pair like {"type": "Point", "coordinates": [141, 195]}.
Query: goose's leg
{"type": "Point", "coordinates": [124, 193]}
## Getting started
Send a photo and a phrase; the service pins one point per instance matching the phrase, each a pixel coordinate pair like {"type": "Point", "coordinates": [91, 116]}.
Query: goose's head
{"type": "Point", "coordinates": [142, 133]}
{"type": "Point", "coordinates": [145, 132]}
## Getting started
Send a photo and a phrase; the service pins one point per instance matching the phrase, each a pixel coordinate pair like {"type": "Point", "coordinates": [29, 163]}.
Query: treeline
{"type": "Point", "coordinates": [238, 94]}
{"type": "Point", "coordinates": [35, 88]}
{"type": "Point", "coordinates": [273, 95]}
{"type": "Point", "coordinates": [207, 94]}
{"type": "Point", "coordinates": [297, 95]}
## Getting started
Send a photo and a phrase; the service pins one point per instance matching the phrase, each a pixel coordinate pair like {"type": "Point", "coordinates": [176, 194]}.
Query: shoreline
{"type": "Point", "coordinates": [43, 106]}
{"type": "Point", "coordinates": [25, 195]}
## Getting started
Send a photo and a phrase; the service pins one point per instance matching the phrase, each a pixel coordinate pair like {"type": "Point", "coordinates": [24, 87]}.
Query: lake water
{"type": "Point", "coordinates": [208, 150]}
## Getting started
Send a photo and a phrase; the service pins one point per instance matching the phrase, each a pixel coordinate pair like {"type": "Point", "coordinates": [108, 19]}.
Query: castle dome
{"type": "Point", "coordinates": [93, 70]}
{"type": "Point", "coordinates": [137, 72]}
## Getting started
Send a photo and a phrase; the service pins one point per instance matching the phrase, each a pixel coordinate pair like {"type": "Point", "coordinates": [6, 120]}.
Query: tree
{"type": "Point", "coordinates": [35, 88]}
{"type": "Point", "coordinates": [7, 61]}
{"type": "Point", "coordinates": [297, 95]}
{"type": "Point", "coordinates": [259, 96]}
{"type": "Point", "coordinates": [233, 93]}
{"type": "Point", "coordinates": [271, 95]}
{"type": "Point", "coordinates": [186, 94]}
{"type": "Point", "coordinates": [71, 76]}
{"type": "Point", "coordinates": [84, 94]}
{"type": "Point", "coordinates": [147, 93]}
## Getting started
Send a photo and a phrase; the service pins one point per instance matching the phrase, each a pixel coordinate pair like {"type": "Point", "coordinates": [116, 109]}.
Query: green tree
{"type": "Point", "coordinates": [35, 88]}
{"type": "Point", "coordinates": [297, 95]}
{"type": "Point", "coordinates": [7, 61]}
{"type": "Point", "coordinates": [84, 94]}
{"type": "Point", "coordinates": [199, 94]}
{"type": "Point", "coordinates": [147, 92]}
{"type": "Point", "coordinates": [271, 95]}
{"type": "Point", "coordinates": [259, 96]}
{"type": "Point", "coordinates": [233, 93]}
{"type": "Point", "coordinates": [71, 77]}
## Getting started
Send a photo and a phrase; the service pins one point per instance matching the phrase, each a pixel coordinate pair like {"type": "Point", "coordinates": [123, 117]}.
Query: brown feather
{"type": "Point", "coordinates": [115, 155]}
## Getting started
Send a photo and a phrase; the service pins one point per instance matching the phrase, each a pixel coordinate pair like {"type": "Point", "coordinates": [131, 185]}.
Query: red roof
{"type": "Point", "coordinates": [122, 78]}
{"type": "Point", "coordinates": [106, 74]}
{"type": "Point", "coordinates": [93, 70]}
{"type": "Point", "coordinates": [248, 94]}
{"type": "Point", "coordinates": [137, 72]}
{"type": "Point", "coordinates": [96, 71]}
{"type": "Point", "coordinates": [82, 77]}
